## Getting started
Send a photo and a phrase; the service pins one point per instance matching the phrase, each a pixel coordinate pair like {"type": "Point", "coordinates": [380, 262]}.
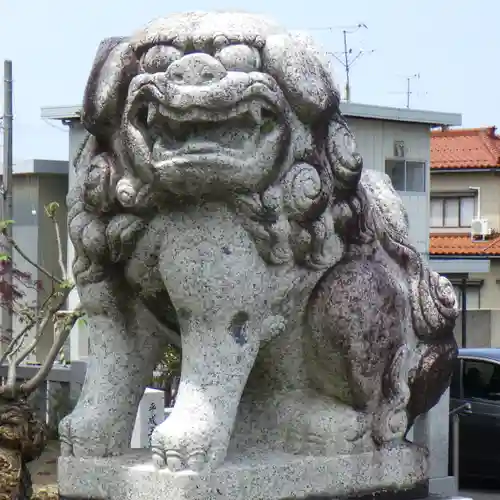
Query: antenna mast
{"type": "Point", "coordinates": [348, 60]}
{"type": "Point", "coordinates": [346, 57]}
{"type": "Point", "coordinates": [408, 87]}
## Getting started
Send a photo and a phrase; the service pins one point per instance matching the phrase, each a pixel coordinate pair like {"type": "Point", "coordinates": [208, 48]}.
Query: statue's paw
{"type": "Point", "coordinates": [91, 432]}
{"type": "Point", "coordinates": [185, 444]}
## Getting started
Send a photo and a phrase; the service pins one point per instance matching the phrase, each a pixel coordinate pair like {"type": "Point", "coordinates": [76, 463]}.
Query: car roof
{"type": "Point", "coordinates": [486, 353]}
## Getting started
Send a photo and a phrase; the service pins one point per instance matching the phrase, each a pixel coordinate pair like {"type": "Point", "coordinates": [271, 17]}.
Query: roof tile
{"type": "Point", "coordinates": [465, 148]}
{"type": "Point", "coordinates": [462, 244]}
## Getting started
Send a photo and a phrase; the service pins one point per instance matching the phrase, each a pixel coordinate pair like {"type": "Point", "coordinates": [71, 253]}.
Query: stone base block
{"type": "Point", "coordinates": [252, 477]}
{"type": "Point", "coordinates": [443, 486]}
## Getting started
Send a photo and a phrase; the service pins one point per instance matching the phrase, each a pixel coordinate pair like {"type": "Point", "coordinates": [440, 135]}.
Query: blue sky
{"type": "Point", "coordinates": [453, 45]}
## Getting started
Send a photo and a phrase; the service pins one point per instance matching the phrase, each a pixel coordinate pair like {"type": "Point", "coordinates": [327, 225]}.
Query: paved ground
{"type": "Point", "coordinates": [43, 471]}
{"type": "Point", "coordinates": [482, 494]}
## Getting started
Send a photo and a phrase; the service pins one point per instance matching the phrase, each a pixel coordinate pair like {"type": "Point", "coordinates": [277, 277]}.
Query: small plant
{"type": "Point", "coordinates": [167, 372]}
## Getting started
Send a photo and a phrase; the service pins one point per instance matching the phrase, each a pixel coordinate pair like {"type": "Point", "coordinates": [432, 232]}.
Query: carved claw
{"type": "Point", "coordinates": [174, 461]}
{"type": "Point", "coordinates": [66, 447]}
{"type": "Point", "coordinates": [197, 460]}
{"type": "Point", "coordinates": [159, 458]}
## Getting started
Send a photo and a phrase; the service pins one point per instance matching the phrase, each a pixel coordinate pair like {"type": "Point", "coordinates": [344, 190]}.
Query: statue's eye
{"type": "Point", "coordinates": [239, 58]}
{"type": "Point", "coordinates": [158, 58]}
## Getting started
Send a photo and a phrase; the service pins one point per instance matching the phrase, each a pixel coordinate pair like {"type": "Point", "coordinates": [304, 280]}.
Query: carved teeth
{"type": "Point", "coordinates": [152, 111]}
{"type": "Point", "coordinates": [164, 111]}
{"type": "Point", "coordinates": [253, 109]}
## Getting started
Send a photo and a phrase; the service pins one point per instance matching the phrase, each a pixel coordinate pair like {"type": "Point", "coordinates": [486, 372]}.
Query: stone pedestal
{"type": "Point", "coordinates": [255, 477]}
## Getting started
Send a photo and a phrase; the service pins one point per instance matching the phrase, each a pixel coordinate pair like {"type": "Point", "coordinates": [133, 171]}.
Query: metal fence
{"type": "Point", "coordinates": [55, 397]}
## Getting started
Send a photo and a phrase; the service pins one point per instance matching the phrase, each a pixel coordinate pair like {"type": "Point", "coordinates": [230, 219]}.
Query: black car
{"type": "Point", "coordinates": [476, 380]}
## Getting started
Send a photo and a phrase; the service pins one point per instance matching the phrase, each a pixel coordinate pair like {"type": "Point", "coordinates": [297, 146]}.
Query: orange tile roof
{"type": "Point", "coordinates": [461, 244]}
{"type": "Point", "coordinates": [465, 148]}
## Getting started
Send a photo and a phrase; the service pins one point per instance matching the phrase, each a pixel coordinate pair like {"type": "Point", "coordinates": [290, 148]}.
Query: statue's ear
{"type": "Point", "coordinates": [305, 76]}
{"type": "Point", "coordinates": [115, 65]}
{"type": "Point", "coordinates": [302, 73]}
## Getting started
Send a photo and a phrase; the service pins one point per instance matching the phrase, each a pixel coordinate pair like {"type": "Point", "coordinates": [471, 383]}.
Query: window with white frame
{"type": "Point", "coordinates": [452, 211]}
{"type": "Point", "coordinates": [406, 175]}
{"type": "Point", "coordinates": [472, 295]}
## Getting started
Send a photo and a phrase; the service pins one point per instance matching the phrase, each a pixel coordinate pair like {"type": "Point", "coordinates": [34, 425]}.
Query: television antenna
{"type": "Point", "coordinates": [409, 92]}
{"type": "Point", "coordinates": [347, 57]}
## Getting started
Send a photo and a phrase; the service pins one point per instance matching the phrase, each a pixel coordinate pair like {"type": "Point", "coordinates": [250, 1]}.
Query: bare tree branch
{"type": "Point", "coordinates": [50, 311]}
{"type": "Point", "coordinates": [16, 339]}
{"type": "Point", "coordinates": [63, 333]}
{"type": "Point", "coordinates": [51, 210]}
{"type": "Point", "coordinates": [33, 263]}
{"type": "Point", "coordinates": [26, 388]}
{"type": "Point", "coordinates": [46, 318]}
{"type": "Point", "coordinates": [15, 343]}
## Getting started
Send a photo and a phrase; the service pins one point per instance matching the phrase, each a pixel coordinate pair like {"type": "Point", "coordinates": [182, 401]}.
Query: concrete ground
{"type": "Point", "coordinates": [481, 494]}
{"type": "Point", "coordinates": [44, 472]}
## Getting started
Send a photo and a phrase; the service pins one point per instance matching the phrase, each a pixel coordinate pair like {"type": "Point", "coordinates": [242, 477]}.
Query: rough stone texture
{"type": "Point", "coordinates": [22, 439]}
{"type": "Point", "coordinates": [220, 205]}
{"type": "Point", "coordinates": [257, 477]}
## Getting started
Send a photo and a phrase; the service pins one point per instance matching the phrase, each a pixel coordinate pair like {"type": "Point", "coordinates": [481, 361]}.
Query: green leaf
{"type": "Point", "coordinates": [51, 209]}
{"type": "Point", "coordinates": [4, 257]}
{"type": "Point", "coordinates": [66, 284]}
{"type": "Point", "coordinates": [5, 223]}
{"type": "Point", "coordinates": [81, 322]}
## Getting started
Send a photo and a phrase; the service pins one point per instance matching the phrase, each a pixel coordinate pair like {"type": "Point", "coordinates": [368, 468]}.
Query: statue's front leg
{"type": "Point", "coordinates": [221, 291]}
{"type": "Point", "coordinates": [216, 360]}
{"type": "Point", "coordinates": [124, 346]}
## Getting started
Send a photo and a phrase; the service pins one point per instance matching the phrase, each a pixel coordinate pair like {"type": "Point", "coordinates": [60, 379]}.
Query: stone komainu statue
{"type": "Point", "coordinates": [220, 205]}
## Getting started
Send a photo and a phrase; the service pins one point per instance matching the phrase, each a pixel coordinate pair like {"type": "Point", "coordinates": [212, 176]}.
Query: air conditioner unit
{"type": "Point", "coordinates": [480, 228]}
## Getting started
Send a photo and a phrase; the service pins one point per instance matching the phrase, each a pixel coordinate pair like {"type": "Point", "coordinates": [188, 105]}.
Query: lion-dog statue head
{"type": "Point", "coordinates": [189, 107]}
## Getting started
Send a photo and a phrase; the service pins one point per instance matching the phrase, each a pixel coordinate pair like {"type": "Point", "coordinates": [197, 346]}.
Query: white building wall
{"type": "Point", "coordinates": [79, 339]}
{"type": "Point", "coordinates": [33, 232]}
{"type": "Point", "coordinates": [375, 140]}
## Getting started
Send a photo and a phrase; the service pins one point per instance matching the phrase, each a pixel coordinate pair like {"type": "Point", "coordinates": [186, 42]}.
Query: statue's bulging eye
{"type": "Point", "coordinates": [239, 58]}
{"type": "Point", "coordinates": [158, 58]}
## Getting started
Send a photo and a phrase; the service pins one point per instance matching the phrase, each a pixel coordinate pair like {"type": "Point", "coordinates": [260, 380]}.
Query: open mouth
{"type": "Point", "coordinates": [175, 132]}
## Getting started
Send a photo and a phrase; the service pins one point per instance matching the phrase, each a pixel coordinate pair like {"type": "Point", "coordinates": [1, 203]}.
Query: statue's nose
{"type": "Point", "coordinates": [196, 69]}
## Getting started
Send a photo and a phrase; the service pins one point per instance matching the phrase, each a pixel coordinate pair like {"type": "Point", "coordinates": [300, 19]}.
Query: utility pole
{"type": "Point", "coordinates": [7, 189]}
{"type": "Point", "coordinates": [347, 68]}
